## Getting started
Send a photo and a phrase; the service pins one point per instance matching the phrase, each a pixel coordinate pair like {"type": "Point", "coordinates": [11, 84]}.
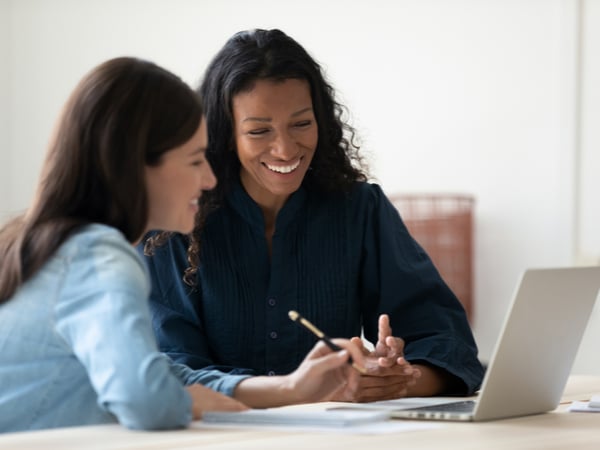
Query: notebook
{"type": "Point", "coordinates": [536, 349]}
{"type": "Point", "coordinates": [281, 416]}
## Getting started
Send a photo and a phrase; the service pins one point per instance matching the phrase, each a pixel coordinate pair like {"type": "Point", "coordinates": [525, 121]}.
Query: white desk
{"type": "Point", "coordinates": [556, 430]}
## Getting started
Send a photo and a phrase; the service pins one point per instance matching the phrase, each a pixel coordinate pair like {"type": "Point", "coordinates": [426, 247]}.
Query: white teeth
{"type": "Point", "coordinates": [194, 202]}
{"type": "Point", "coordinates": [283, 169]}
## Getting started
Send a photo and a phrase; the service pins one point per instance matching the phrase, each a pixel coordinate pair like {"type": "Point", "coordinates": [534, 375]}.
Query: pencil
{"type": "Point", "coordinates": [322, 336]}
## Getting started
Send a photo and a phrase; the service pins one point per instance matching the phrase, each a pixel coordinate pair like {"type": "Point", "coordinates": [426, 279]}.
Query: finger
{"type": "Point", "coordinates": [360, 344]}
{"type": "Point", "coordinates": [386, 362]}
{"type": "Point", "coordinates": [392, 379]}
{"type": "Point", "coordinates": [354, 350]}
{"type": "Point", "coordinates": [367, 392]}
{"type": "Point", "coordinates": [322, 359]}
{"type": "Point", "coordinates": [385, 367]}
{"type": "Point", "coordinates": [319, 349]}
{"type": "Point", "coordinates": [389, 352]}
{"type": "Point", "coordinates": [231, 405]}
{"type": "Point", "coordinates": [384, 329]}
{"type": "Point", "coordinates": [395, 346]}
{"type": "Point", "coordinates": [372, 388]}
{"type": "Point", "coordinates": [400, 361]}
{"type": "Point", "coordinates": [364, 396]}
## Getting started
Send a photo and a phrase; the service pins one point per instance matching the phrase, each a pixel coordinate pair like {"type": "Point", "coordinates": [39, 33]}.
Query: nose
{"type": "Point", "coordinates": [284, 146]}
{"type": "Point", "coordinates": [208, 178]}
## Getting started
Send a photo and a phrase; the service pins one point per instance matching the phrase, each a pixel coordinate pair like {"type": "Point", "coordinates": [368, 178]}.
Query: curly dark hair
{"type": "Point", "coordinates": [254, 55]}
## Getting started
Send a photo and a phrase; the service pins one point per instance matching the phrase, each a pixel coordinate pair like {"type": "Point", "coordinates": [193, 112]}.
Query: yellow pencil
{"type": "Point", "coordinates": [309, 326]}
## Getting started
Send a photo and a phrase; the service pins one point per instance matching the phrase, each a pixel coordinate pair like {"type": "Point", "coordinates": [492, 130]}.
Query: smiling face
{"type": "Point", "coordinates": [176, 183]}
{"type": "Point", "coordinates": [276, 135]}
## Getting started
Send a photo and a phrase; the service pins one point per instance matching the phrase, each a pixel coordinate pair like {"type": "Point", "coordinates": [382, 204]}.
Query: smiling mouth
{"type": "Point", "coordinates": [283, 169]}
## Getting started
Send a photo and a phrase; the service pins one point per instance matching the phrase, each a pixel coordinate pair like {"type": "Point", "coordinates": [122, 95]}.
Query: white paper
{"type": "Point", "coordinates": [382, 427]}
{"type": "Point", "coordinates": [582, 407]}
{"type": "Point", "coordinates": [276, 416]}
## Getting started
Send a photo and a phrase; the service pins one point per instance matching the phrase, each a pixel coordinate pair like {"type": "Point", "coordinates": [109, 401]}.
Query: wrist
{"type": "Point", "coordinates": [432, 381]}
{"type": "Point", "coordinates": [267, 391]}
{"type": "Point", "coordinates": [288, 391]}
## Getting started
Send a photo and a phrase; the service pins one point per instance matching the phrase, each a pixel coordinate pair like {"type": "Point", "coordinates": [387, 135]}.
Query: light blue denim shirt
{"type": "Point", "coordinates": [77, 347]}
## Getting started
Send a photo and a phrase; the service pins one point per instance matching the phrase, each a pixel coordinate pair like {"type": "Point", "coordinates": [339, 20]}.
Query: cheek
{"type": "Point", "coordinates": [160, 198]}
{"type": "Point", "coordinates": [313, 137]}
{"type": "Point", "coordinates": [171, 189]}
{"type": "Point", "coordinates": [247, 151]}
{"type": "Point", "coordinates": [312, 141]}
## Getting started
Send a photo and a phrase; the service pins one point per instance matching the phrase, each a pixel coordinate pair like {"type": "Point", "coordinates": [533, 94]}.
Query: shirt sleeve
{"type": "Point", "coordinates": [216, 380]}
{"type": "Point", "coordinates": [103, 316]}
{"type": "Point", "coordinates": [176, 321]}
{"type": "Point", "coordinates": [398, 278]}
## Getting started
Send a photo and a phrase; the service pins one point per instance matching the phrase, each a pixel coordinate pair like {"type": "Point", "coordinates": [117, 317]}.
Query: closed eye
{"type": "Point", "coordinates": [258, 132]}
{"type": "Point", "coordinates": [198, 162]}
{"type": "Point", "coordinates": [303, 124]}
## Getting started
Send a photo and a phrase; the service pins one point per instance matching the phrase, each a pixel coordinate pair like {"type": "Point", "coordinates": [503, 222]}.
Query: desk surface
{"type": "Point", "coordinates": [555, 430]}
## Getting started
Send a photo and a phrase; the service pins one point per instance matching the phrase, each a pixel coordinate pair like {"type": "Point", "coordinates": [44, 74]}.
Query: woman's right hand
{"type": "Point", "coordinates": [323, 372]}
{"type": "Point", "coordinates": [205, 399]}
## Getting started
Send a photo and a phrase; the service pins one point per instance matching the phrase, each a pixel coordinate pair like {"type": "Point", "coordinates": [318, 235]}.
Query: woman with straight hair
{"type": "Point", "coordinates": [76, 341]}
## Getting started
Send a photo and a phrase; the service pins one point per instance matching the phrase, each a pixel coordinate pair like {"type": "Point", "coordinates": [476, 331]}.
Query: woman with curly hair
{"type": "Point", "coordinates": [294, 225]}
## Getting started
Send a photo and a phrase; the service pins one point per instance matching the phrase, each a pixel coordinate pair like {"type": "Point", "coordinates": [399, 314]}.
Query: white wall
{"type": "Point", "coordinates": [473, 96]}
{"type": "Point", "coordinates": [5, 154]}
{"type": "Point", "coordinates": [588, 218]}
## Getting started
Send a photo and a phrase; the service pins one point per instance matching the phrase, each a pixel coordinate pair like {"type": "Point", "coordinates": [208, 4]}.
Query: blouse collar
{"type": "Point", "coordinates": [249, 210]}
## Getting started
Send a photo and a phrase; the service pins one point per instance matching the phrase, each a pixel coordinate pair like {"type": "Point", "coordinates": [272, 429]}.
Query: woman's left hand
{"type": "Point", "coordinates": [388, 376]}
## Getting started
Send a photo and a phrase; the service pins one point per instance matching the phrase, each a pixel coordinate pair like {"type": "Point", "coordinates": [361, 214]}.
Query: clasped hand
{"type": "Point", "coordinates": [388, 376]}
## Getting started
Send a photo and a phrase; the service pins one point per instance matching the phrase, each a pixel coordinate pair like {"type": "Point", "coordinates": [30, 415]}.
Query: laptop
{"type": "Point", "coordinates": [534, 354]}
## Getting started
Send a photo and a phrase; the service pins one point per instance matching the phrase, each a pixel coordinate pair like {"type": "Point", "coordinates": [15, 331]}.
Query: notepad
{"type": "Point", "coordinates": [275, 416]}
{"type": "Point", "coordinates": [583, 407]}
{"type": "Point", "coordinates": [592, 406]}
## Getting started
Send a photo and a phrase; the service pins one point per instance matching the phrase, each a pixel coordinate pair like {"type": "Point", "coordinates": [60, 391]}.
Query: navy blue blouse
{"type": "Point", "coordinates": [340, 260]}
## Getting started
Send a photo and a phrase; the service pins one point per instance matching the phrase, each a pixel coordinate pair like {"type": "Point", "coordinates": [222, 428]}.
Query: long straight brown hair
{"type": "Point", "coordinates": [123, 115]}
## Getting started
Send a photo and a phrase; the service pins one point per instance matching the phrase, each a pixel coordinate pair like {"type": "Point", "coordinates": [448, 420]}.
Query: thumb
{"type": "Point", "coordinates": [358, 342]}
{"type": "Point", "coordinates": [330, 361]}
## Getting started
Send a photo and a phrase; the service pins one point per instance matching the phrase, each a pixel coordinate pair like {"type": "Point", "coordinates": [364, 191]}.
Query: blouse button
{"type": "Point", "coordinates": [272, 302]}
{"type": "Point", "coordinates": [271, 373]}
{"type": "Point", "coordinates": [273, 334]}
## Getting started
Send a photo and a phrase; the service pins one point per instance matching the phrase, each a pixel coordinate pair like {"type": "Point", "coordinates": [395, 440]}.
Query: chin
{"type": "Point", "coordinates": [186, 230]}
{"type": "Point", "coordinates": [183, 228]}
{"type": "Point", "coordinates": [289, 190]}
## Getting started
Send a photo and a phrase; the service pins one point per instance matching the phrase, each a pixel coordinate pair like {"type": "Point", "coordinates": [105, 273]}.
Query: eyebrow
{"type": "Point", "coordinates": [268, 119]}
{"type": "Point", "coordinates": [197, 150]}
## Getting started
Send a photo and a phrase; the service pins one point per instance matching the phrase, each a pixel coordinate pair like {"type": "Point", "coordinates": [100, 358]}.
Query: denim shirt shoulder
{"type": "Point", "coordinates": [76, 344]}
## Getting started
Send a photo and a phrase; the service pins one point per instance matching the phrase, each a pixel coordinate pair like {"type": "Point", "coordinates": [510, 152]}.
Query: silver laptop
{"type": "Point", "coordinates": [535, 351]}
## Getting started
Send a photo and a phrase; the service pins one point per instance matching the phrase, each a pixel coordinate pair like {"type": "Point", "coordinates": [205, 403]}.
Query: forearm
{"type": "Point", "coordinates": [265, 392]}
{"type": "Point", "coordinates": [433, 381]}
{"type": "Point", "coordinates": [218, 381]}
